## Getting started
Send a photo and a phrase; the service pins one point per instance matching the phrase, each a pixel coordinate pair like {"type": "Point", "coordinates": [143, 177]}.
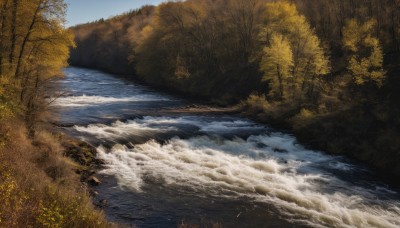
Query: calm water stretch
{"type": "Point", "coordinates": [164, 166]}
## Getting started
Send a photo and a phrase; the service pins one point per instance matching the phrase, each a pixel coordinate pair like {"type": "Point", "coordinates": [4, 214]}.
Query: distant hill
{"type": "Point", "coordinates": [109, 44]}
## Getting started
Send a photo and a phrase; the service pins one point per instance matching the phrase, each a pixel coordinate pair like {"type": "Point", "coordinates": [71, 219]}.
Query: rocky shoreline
{"type": "Point", "coordinates": [87, 165]}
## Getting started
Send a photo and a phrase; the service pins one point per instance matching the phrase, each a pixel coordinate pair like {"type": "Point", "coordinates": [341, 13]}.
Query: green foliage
{"type": "Point", "coordinates": [366, 57]}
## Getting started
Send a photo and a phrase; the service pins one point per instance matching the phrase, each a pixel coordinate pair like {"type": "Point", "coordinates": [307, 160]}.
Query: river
{"type": "Point", "coordinates": [164, 165]}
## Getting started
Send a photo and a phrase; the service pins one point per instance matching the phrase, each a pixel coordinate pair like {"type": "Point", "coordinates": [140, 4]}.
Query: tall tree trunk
{"type": "Point", "coordinates": [32, 107]}
{"type": "Point", "coordinates": [13, 37]}
{"type": "Point", "coordinates": [393, 26]}
{"type": "Point", "coordinates": [2, 31]}
{"type": "Point", "coordinates": [280, 79]}
{"type": "Point", "coordinates": [25, 41]}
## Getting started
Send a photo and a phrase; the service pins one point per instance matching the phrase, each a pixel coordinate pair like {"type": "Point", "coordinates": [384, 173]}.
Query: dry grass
{"type": "Point", "coordinates": [38, 186]}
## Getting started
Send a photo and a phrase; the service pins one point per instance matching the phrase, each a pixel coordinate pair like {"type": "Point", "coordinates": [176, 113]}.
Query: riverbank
{"type": "Point", "coordinates": [39, 186]}
{"type": "Point", "coordinates": [358, 132]}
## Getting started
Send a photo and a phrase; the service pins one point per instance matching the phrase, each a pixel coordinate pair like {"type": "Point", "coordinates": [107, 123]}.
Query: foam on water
{"type": "Point", "coordinates": [120, 129]}
{"type": "Point", "coordinates": [84, 101]}
{"type": "Point", "coordinates": [218, 167]}
{"type": "Point", "coordinates": [110, 83]}
{"type": "Point", "coordinates": [267, 167]}
{"type": "Point", "coordinates": [209, 125]}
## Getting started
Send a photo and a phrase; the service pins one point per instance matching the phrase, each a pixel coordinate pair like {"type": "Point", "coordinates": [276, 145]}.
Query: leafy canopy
{"type": "Point", "coordinates": [366, 57]}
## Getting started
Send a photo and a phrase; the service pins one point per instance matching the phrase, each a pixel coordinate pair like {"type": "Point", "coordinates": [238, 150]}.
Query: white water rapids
{"type": "Point", "coordinates": [193, 160]}
{"type": "Point", "coordinates": [85, 101]}
{"type": "Point", "coordinates": [269, 168]}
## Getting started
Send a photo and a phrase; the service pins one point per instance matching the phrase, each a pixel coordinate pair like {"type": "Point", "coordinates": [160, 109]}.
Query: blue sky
{"type": "Point", "coordinates": [82, 11]}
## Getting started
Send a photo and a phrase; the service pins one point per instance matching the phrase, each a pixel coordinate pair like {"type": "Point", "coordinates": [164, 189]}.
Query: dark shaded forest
{"type": "Point", "coordinates": [327, 70]}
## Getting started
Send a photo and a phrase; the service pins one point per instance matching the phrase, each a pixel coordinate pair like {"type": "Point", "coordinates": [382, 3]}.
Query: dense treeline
{"type": "Point", "coordinates": [208, 48]}
{"type": "Point", "coordinates": [327, 69]}
{"type": "Point", "coordinates": [38, 187]}
{"type": "Point", "coordinates": [329, 18]}
{"type": "Point", "coordinates": [108, 44]}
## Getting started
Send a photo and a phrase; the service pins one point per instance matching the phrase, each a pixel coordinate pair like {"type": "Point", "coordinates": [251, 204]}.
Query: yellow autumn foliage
{"type": "Point", "coordinates": [308, 61]}
{"type": "Point", "coordinates": [366, 57]}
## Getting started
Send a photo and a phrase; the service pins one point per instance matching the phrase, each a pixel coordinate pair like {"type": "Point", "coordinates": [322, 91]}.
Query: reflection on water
{"type": "Point", "coordinates": [163, 168]}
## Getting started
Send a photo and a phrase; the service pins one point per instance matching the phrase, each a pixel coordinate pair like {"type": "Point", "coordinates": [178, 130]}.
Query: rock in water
{"type": "Point", "coordinates": [94, 181]}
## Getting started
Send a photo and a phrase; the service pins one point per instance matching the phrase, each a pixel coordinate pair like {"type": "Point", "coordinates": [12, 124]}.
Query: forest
{"type": "Point", "coordinates": [326, 70]}
{"type": "Point", "coordinates": [38, 185]}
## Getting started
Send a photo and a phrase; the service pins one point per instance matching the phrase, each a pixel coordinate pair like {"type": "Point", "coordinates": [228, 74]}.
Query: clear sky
{"type": "Point", "coordinates": [82, 11]}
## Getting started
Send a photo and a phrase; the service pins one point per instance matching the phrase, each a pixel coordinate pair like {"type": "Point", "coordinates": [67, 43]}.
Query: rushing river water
{"type": "Point", "coordinates": [164, 166]}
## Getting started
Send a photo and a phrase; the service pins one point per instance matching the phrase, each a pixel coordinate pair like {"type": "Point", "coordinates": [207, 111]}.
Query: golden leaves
{"type": "Point", "coordinates": [301, 57]}
{"type": "Point", "coordinates": [366, 57]}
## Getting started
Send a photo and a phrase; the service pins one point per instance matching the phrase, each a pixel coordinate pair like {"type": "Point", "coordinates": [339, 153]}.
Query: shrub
{"type": "Point", "coordinates": [255, 104]}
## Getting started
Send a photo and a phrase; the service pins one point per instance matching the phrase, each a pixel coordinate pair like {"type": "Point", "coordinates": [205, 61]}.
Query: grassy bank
{"type": "Point", "coordinates": [39, 186]}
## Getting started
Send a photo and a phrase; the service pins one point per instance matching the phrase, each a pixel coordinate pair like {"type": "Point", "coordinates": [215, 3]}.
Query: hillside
{"type": "Point", "coordinates": [38, 183]}
{"type": "Point", "coordinates": [108, 44]}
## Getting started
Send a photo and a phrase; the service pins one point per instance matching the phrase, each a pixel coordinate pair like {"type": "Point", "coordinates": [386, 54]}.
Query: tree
{"type": "Point", "coordinates": [365, 61]}
{"type": "Point", "coordinates": [36, 46]}
{"type": "Point", "coordinates": [309, 59]}
{"type": "Point", "coordinates": [245, 16]}
{"type": "Point", "coordinates": [276, 63]}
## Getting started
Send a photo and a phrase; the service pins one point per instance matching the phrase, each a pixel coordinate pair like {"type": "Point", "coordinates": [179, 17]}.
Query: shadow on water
{"type": "Point", "coordinates": [165, 206]}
